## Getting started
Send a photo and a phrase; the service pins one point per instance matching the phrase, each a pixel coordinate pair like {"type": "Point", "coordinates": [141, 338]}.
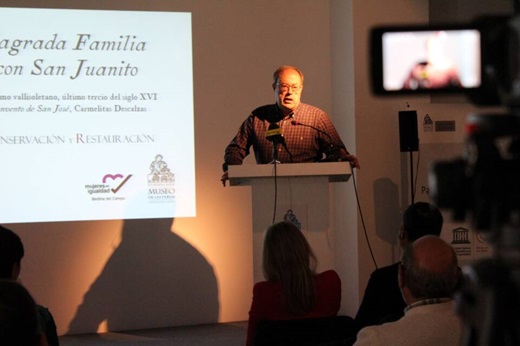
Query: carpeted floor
{"type": "Point", "coordinates": [221, 334]}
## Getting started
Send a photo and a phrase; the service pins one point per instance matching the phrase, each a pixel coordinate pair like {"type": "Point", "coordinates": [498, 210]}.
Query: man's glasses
{"type": "Point", "coordinates": [286, 87]}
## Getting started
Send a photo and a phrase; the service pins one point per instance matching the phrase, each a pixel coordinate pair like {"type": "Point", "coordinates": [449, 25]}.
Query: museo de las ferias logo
{"type": "Point", "coordinates": [161, 182]}
{"type": "Point", "coordinates": [109, 188]}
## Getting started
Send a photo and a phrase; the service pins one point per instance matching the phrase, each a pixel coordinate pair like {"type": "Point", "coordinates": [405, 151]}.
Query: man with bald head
{"type": "Point", "coordinates": [305, 132]}
{"type": "Point", "coordinates": [383, 301]}
{"type": "Point", "coordinates": [428, 277]}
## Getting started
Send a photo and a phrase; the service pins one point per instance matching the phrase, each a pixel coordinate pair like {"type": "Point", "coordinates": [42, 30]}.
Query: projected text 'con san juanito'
{"type": "Point", "coordinates": [75, 68]}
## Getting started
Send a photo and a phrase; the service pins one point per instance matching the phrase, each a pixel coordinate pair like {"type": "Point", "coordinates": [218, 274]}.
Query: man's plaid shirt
{"type": "Point", "coordinates": [307, 141]}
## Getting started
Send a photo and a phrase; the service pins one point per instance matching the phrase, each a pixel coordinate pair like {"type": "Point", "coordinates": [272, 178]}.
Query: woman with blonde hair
{"type": "Point", "coordinates": [293, 289]}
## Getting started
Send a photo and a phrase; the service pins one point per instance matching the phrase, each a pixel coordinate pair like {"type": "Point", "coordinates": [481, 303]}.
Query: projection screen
{"type": "Point", "coordinates": [96, 110]}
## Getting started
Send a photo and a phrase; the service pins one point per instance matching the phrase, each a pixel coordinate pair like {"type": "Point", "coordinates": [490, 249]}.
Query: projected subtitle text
{"type": "Point", "coordinates": [78, 103]}
{"type": "Point", "coordinates": [79, 138]}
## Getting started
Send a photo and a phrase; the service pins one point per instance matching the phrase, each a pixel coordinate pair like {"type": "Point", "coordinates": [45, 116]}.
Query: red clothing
{"type": "Point", "coordinates": [268, 303]}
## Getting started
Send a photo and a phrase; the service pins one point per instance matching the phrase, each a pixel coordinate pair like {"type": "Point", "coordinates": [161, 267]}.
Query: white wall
{"type": "Point", "coordinates": [382, 180]}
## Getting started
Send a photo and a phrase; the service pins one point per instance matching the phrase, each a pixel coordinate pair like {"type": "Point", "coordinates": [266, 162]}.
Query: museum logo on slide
{"type": "Point", "coordinates": [161, 182]}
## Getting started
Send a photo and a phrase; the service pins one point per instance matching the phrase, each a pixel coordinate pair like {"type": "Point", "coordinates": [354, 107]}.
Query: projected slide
{"type": "Point", "coordinates": [96, 112]}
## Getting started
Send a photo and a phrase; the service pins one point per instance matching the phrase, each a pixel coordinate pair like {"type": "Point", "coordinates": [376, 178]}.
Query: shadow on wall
{"type": "Point", "coordinates": [153, 279]}
{"type": "Point", "coordinates": [387, 210]}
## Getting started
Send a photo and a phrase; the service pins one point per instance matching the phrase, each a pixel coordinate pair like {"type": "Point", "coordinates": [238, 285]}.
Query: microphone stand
{"type": "Point", "coordinates": [331, 153]}
{"type": "Point", "coordinates": [412, 187]}
{"type": "Point", "coordinates": [274, 135]}
{"type": "Point", "coordinates": [275, 162]}
{"type": "Point", "coordinates": [275, 152]}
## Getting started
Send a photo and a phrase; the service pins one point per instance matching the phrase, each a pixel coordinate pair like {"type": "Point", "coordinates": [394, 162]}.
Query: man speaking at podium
{"type": "Point", "coordinates": [288, 131]}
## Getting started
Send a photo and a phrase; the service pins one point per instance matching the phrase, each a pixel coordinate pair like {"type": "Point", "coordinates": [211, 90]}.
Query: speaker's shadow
{"type": "Point", "coordinates": [153, 279]}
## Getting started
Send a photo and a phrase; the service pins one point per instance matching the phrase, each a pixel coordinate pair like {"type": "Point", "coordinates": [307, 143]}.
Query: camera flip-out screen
{"type": "Point", "coordinates": [425, 59]}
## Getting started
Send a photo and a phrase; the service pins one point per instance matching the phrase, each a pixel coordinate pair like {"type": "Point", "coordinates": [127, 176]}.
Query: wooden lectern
{"type": "Point", "coordinates": [296, 192]}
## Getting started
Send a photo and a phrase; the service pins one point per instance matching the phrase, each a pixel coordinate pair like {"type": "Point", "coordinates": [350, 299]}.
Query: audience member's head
{"type": "Point", "coordinates": [288, 258]}
{"type": "Point", "coordinates": [420, 219]}
{"type": "Point", "coordinates": [428, 270]}
{"type": "Point", "coordinates": [18, 316]}
{"type": "Point", "coordinates": [11, 253]}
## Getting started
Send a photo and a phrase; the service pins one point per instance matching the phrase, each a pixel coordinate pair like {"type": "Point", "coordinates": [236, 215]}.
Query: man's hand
{"type": "Point", "coordinates": [224, 178]}
{"type": "Point", "coordinates": [353, 160]}
{"type": "Point", "coordinates": [345, 156]}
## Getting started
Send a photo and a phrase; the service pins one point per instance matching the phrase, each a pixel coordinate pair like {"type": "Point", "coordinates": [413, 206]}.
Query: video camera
{"type": "Point", "coordinates": [479, 59]}
{"type": "Point", "coordinates": [482, 61]}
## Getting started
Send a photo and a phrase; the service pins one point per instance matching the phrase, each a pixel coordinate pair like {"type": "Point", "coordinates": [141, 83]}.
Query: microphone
{"type": "Point", "coordinates": [333, 150]}
{"type": "Point", "coordinates": [274, 134]}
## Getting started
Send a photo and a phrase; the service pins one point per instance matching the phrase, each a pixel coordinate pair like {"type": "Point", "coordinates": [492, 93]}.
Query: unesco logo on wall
{"type": "Point", "coordinates": [161, 182]}
{"type": "Point", "coordinates": [427, 123]}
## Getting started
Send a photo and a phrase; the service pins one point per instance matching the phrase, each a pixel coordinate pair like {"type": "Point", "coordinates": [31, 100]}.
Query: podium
{"type": "Point", "coordinates": [295, 192]}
